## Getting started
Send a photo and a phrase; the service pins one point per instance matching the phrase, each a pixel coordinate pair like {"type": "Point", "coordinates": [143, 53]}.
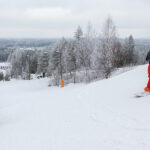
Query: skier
{"type": "Point", "coordinates": [147, 89]}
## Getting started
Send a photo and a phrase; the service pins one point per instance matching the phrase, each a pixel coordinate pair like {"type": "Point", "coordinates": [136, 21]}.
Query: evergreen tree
{"type": "Point", "coordinates": [129, 50]}
{"type": "Point", "coordinates": [78, 33]}
{"type": "Point", "coordinates": [33, 63]}
{"type": "Point", "coordinates": [57, 64]}
{"type": "Point", "coordinates": [71, 59]}
{"type": "Point", "coordinates": [1, 76]}
{"type": "Point", "coordinates": [43, 63]}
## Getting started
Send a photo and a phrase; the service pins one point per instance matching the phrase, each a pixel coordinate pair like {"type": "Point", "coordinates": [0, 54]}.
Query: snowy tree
{"type": "Point", "coordinates": [78, 47]}
{"type": "Point", "coordinates": [71, 59]}
{"type": "Point", "coordinates": [106, 48]}
{"type": "Point", "coordinates": [33, 63]}
{"type": "Point", "coordinates": [57, 63]}
{"type": "Point", "coordinates": [19, 64]}
{"type": "Point", "coordinates": [118, 55]}
{"type": "Point", "coordinates": [7, 75]}
{"type": "Point", "coordinates": [43, 62]}
{"type": "Point", "coordinates": [78, 33]}
{"type": "Point", "coordinates": [83, 50]}
{"type": "Point", "coordinates": [129, 50]}
{"type": "Point", "coordinates": [89, 46]}
{"type": "Point", "coordinates": [87, 57]}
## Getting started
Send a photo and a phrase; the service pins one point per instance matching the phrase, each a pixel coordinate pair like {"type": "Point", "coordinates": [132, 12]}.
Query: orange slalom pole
{"type": "Point", "coordinates": [62, 83]}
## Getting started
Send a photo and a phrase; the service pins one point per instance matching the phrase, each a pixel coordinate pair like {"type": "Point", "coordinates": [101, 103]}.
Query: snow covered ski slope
{"type": "Point", "coordinates": [103, 115]}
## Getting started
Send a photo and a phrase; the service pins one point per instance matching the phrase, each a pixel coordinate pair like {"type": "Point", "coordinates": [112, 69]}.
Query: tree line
{"type": "Point", "coordinates": [84, 58]}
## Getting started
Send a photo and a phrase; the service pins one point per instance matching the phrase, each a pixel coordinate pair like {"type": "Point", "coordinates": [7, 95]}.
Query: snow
{"type": "Point", "coordinates": [99, 116]}
{"type": "Point", "coordinates": [4, 66]}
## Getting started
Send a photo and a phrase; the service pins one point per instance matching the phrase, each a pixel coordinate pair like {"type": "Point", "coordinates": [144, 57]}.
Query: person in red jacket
{"type": "Point", "coordinates": [147, 89]}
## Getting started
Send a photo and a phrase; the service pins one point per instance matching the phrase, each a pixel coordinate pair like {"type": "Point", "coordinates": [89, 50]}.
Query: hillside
{"type": "Point", "coordinates": [103, 115]}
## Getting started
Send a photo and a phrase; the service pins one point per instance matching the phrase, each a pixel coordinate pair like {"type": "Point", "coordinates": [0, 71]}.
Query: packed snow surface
{"type": "Point", "coordinates": [103, 115]}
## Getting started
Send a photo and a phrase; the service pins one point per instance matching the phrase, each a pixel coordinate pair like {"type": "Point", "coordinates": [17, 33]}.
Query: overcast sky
{"type": "Point", "coordinates": [57, 18]}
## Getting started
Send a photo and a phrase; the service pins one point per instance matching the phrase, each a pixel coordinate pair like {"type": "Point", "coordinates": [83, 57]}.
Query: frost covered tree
{"type": "Point", "coordinates": [19, 64]}
{"type": "Point", "coordinates": [118, 55]}
{"type": "Point", "coordinates": [33, 63]}
{"type": "Point", "coordinates": [80, 52]}
{"type": "Point", "coordinates": [78, 47]}
{"type": "Point", "coordinates": [72, 60]}
{"type": "Point", "coordinates": [87, 57]}
{"type": "Point", "coordinates": [78, 34]}
{"type": "Point", "coordinates": [89, 46]}
{"type": "Point", "coordinates": [106, 48]}
{"type": "Point", "coordinates": [129, 50]}
{"type": "Point", "coordinates": [43, 63]}
{"type": "Point", "coordinates": [57, 62]}
{"type": "Point", "coordinates": [7, 76]}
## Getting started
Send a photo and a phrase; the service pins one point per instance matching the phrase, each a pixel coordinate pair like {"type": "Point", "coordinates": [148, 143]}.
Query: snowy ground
{"type": "Point", "coordinates": [99, 116]}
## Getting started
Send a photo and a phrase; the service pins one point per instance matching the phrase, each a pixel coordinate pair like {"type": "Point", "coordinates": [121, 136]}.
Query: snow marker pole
{"type": "Point", "coordinates": [62, 83]}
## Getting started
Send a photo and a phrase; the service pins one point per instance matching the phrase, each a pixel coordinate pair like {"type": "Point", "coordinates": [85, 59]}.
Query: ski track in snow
{"type": "Point", "coordinates": [101, 115]}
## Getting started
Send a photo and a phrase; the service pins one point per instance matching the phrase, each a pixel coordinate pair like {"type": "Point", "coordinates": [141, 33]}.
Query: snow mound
{"type": "Point", "coordinates": [102, 115]}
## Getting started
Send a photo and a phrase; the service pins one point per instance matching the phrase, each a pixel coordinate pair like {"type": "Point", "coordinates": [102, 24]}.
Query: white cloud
{"type": "Point", "coordinates": [55, 18]}
{"type": "Point", "coordinates": [47, 13]}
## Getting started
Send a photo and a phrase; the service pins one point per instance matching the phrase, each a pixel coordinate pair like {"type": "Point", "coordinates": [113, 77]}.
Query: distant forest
{"type": "Point", "coordinates": [9, 45]}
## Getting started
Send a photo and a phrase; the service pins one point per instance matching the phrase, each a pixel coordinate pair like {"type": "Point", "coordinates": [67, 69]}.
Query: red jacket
{"type": "Point", "coordinates": [149, 70]}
